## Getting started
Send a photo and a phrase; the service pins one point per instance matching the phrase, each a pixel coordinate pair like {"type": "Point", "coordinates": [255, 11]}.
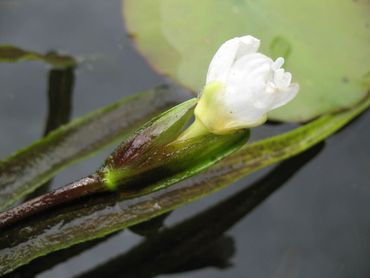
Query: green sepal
{"type": "Point", "coordinates": [159, 131]}
{"type": "Point", "coordinates": [152, 159]}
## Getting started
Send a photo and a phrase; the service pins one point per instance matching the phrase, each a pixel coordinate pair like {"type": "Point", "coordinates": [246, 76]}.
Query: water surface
{"type": "Point", "coordinates": [315, 225]}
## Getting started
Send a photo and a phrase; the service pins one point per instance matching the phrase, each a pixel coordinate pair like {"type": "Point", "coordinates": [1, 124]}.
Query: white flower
{"type": "Point", "coordinates": [242, 86]}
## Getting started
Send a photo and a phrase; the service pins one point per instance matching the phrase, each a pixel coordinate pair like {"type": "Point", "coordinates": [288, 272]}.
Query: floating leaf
{"type": "Point", "coordinates": [106, 214]}
{"type": "Point", "coordinates": [29, 168]}
{"type": "Point", "coordinates": [199, 231]}
{"type": "Point", "coordinates": [12, 54]}
{"type": "Point", "coordinates": [325, 43]}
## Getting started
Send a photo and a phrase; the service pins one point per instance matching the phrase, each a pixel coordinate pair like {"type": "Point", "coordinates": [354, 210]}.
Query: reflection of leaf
{"type": "Point", "coordinates": [325, 43]}
{"type": "Point", "coordinates": [10, 53]}
{"type": "Point", "coordinates": [31, 167]}
{"type": "Point", "coordinates": [150, 227]}
{"type": "Point", "coordinates": [216, 253]}
{"type": "Point", "coordinates": [108, 213]}
{"type": "Point", "coordinates": [60, 91]}
{"type": "Point", "coordinates": [166, 254]}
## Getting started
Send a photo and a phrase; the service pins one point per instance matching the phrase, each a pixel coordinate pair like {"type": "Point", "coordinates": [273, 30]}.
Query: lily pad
{"type": "Point", "coordinates": [325, 44]}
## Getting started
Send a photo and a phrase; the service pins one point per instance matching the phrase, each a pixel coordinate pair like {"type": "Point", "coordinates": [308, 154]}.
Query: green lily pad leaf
{"type": "Point", "coordinates": [325, 44]}
{"type": "Point", "coordinates": [105, 214]}
{"type": "Point", "coordinates": [12, 54]}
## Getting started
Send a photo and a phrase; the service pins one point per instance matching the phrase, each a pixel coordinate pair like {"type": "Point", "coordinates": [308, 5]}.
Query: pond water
{"type": "Point", "coordinates": [315, 224]}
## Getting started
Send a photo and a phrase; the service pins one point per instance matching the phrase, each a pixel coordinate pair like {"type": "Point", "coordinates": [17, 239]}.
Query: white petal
{"type": "Point", "coordinates": [282, 79]}
{"type": "Point", "coordinates": [278, 63]}
{"type": "Point", "coordinates": [283, 96]}
{"type": "Point", "coordinates": [248, 117]}
{"type": "Point", "coordinates": [222, 61]}
{"type": "Point", "coordinates": [248, 75]}
{"type": "Point", "coordinates": [227, 54]}
{"type": "Point", "coordinates": [248, 45]}
{"type": "Point", "coordinates": [247, 66]}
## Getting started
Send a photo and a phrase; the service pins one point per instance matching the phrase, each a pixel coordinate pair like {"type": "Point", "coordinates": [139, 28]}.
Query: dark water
{"type": "Point", "coordinates": [316, 224]}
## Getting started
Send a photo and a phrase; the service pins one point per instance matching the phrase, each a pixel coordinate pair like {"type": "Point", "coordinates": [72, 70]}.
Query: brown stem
{"type": "Point", "coordinates": [83, 187]}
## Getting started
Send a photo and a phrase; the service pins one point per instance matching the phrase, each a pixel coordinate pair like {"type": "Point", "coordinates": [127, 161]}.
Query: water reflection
{"type": "Point", "coordinates": [60, 96]}
{"type": "Point", "coordinates": [336, 183]}
{"type": "Point", "coordinates": [150, 227]}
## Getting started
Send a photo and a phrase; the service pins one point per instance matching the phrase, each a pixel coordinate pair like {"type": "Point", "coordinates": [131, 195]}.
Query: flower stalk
{"type": "Point", "coordinates": [196, 129]}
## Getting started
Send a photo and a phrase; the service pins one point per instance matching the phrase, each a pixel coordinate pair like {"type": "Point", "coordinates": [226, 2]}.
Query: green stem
{"type": "Point", "coordinates": [196, 129]}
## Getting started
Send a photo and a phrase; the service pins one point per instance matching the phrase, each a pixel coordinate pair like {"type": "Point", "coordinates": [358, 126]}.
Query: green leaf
{"type": "Point", "coordinates": [325, 44]}
{"type": "Point", "coordinates": [105, 214]}
{"type": "Point", "coordinates": [192, 241]}
{"type": "Point", "coordinates": [12, 54]}
{"type": "Point", "coordinates": [29, 168]}
{"type": "Point", "coordinates": [185, 242]}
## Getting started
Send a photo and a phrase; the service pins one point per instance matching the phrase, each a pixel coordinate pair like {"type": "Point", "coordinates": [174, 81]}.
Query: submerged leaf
{"type": "Point", "coordinates": [106, 214]}
{"type": "Point", "coordinates": [12, 54]}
